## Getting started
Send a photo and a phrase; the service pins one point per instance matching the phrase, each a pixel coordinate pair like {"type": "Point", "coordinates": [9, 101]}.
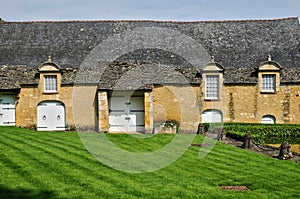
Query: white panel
{"type": "Point", "coordinates": [42, 117]}
{"type": "Point", "coordinates": [131, 122]}
{"type": "Point", "coordinates": [1, 115]}
{"type": "Point", "coordinates": [268, 120]}
{"type": "Point", "coordinates": [126, 112]}
{"type": "Point", "coordinates": [7, 110]}
{"type": "Point", "coordinates": [117, 103]}
{"type": "Point", "coordinates": [117, 122]}
{"type": "Point", "coordinates": [211, 116]}
{"type": "Point", "coordinates": [51, 116]}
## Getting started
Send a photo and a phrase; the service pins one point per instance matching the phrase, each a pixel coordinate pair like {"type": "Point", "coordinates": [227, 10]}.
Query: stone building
{"type": "Point", "coordinates": [136, 75]}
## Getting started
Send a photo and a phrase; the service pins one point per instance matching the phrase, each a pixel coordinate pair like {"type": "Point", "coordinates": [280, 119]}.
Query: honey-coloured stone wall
{"type": "Point", "coordinates": [178, 103]}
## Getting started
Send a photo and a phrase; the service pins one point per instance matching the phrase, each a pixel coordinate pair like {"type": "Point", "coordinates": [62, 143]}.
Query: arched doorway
{"type": "Point", "coordinates": [51, 116]}
{"type": "Point", "coordinates": [268, 119]}
{"type": "Point", "coordinates": [212, 116]}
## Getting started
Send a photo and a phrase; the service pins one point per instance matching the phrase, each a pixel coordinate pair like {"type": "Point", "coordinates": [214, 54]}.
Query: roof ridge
{"type": "Point", "coordinates": [155, 21]}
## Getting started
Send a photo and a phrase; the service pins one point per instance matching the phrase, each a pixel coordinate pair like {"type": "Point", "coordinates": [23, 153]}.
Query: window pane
{"type": "Point", "coordinates": [268, 83]}
{"type": "Point", "coordinates": [212, 86]}
{"type": "Point", "coordinates": [50, 83]}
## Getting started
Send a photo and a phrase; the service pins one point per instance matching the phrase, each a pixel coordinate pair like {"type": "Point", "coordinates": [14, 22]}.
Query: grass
{"type": "Point", "coordinates": [57, 165]}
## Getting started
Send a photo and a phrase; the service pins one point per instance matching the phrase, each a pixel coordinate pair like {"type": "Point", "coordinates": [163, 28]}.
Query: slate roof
{"type": "Point", "coordinates": [243, 43]}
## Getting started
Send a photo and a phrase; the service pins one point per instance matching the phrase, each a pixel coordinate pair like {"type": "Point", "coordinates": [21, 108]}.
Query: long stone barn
{"type": "Point", "coordinates": [136, 76]}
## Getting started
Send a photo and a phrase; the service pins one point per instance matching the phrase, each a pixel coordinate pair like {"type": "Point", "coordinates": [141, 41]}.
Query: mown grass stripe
{"type": "Point", "coordinates": [51, 168]}
{"type": "Point", "coordinates": [78, 151]}
{"type": "Point", "coordinates": [18, 167]}
{"type": "Point", "coordinates": [188, 177]}
{"type": "Point", "coordinates": [66, 177]}
{"type": "Point", "coordinates": [63, 140]}
{"type": "Point", "coordinates": [73, 165]}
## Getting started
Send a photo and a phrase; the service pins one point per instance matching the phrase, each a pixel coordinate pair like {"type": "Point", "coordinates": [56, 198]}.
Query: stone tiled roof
{"type": "Point", "coordinates": [142, 75]}
{"type": "Point", "coordinates": [239, 46]}
{"type": "Point", "coordinates": [135, 75]}
{"type": "Point", "coordinates": [290, 75]}
{"type": "Point", "coordinates": [68, 75]}
{"type": "Point", "coordinates": [244, 43]}
{"type": "Point", "coordinates": [240, 75]}
{"type": "Point", "coordinates": [12, 77]}
{"type": "Point", "coordinates": [250, 75]}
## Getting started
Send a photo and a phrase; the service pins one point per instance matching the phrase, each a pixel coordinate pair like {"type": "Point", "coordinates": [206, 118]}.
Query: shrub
{"type": "Point", "coordinates": [264, 133]}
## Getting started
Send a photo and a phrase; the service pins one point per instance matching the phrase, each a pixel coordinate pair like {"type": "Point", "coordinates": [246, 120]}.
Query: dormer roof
{"type": "Point", "coordinates": [269, 65]}
{"type": "Point", "coordinates": [213, 66]}
{"type": "Point", "coordinates": [49, 66]}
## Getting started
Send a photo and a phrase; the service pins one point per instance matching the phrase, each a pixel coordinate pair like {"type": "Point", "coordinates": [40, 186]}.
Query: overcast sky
{"type": "Point", "coordinates": [181, 10]}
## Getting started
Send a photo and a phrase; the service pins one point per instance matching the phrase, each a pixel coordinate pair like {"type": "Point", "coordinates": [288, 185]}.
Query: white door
{"type": "Point", "coordinates": [212, 116]}
{"type": "Point", "coordinates": [126, 112]}
{"type": "Point", "coordinates": [268, 119]}
{"type": "Point", "coordinates": [51, 116]}
{"type": "Point", "coordinates": [7, 110]}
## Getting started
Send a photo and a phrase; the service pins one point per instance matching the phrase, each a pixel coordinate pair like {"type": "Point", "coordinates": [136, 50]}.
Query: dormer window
{"type": "Point", "coordinates": [212, 74]}
{"type": "Point", "coordinates": [50, 83]}
{"type": "Point", "coordinates": [50, 77]}
{"type": "Point", "coordinates": [269, 76]}
{"type": "Point", "coordinates": [212, 87]}
{"type": "Point", "coordinates": [268, 83]}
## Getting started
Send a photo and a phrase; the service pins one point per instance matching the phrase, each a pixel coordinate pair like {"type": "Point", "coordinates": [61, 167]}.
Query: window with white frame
{"type": "Point", "coordinates": [268, 83]}
{"type": "Point", "coordinates": [212, 87]}
{"type": "Point", "coordinates": [50, 83]}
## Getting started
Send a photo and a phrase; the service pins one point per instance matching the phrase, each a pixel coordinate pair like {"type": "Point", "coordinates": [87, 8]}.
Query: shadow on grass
{"type": "Point", "coordinates": [6, 193]}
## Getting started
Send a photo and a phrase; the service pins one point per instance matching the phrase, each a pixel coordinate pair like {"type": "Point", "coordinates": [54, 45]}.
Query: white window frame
{"type": "Point", "coordinates": [50, 83]}
{"type": "Point", "coordinates": [268, 83]}
{"type": "Point", "coordinates": [212, 87]}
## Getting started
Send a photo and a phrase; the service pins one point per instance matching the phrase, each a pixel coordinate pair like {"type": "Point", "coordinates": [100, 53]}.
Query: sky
{"type": "Point", "coordinates": [177, 10]}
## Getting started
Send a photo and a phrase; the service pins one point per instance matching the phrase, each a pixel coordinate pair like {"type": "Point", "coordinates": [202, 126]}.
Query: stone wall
{"type": "Point", "coordinates": [30, 97]}
{"type": "Point", "coordinates": [103, 111]}
{"type": "Point", "coordinates": [80, 113]}
{"type": "Point", "coordinates": [246, 103]}
{"type": "Point", "coordinates": [178, 103]}
{"type": "Point", "coordinates": [85, 107]}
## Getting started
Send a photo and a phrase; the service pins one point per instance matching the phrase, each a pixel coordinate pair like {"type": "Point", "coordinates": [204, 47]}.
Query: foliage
{"type": "Point", "coordinates": [171, 123]}
{"type": "Point", "coordinates": [168, 124]}
{"type": "Point", "coordinates": [57, 165]}
{"type": "Point", "coordinates": [212, 127]}
{"type": "Point", "coordinates": [264, 133]}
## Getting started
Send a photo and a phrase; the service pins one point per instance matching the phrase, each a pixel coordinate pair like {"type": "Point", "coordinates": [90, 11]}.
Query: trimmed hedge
{"type": "Point", "coordinates": [261, 133]}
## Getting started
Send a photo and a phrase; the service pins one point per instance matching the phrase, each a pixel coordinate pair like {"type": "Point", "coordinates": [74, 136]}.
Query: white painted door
{"type": "Point", "coordinates": [7, 110]}
{"type": "Point", "coordinates": [51, 116]}
{"type": "Point", "coordinates": [268, 119]}
{"type": "Point", "coordinates": [211, 116]}
{"type": "Point", "coordinates": [126, 112]}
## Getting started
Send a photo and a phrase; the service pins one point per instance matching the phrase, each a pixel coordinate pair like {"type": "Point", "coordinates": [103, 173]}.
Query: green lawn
{"type": "Point", "coordinates": [57, 165]}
